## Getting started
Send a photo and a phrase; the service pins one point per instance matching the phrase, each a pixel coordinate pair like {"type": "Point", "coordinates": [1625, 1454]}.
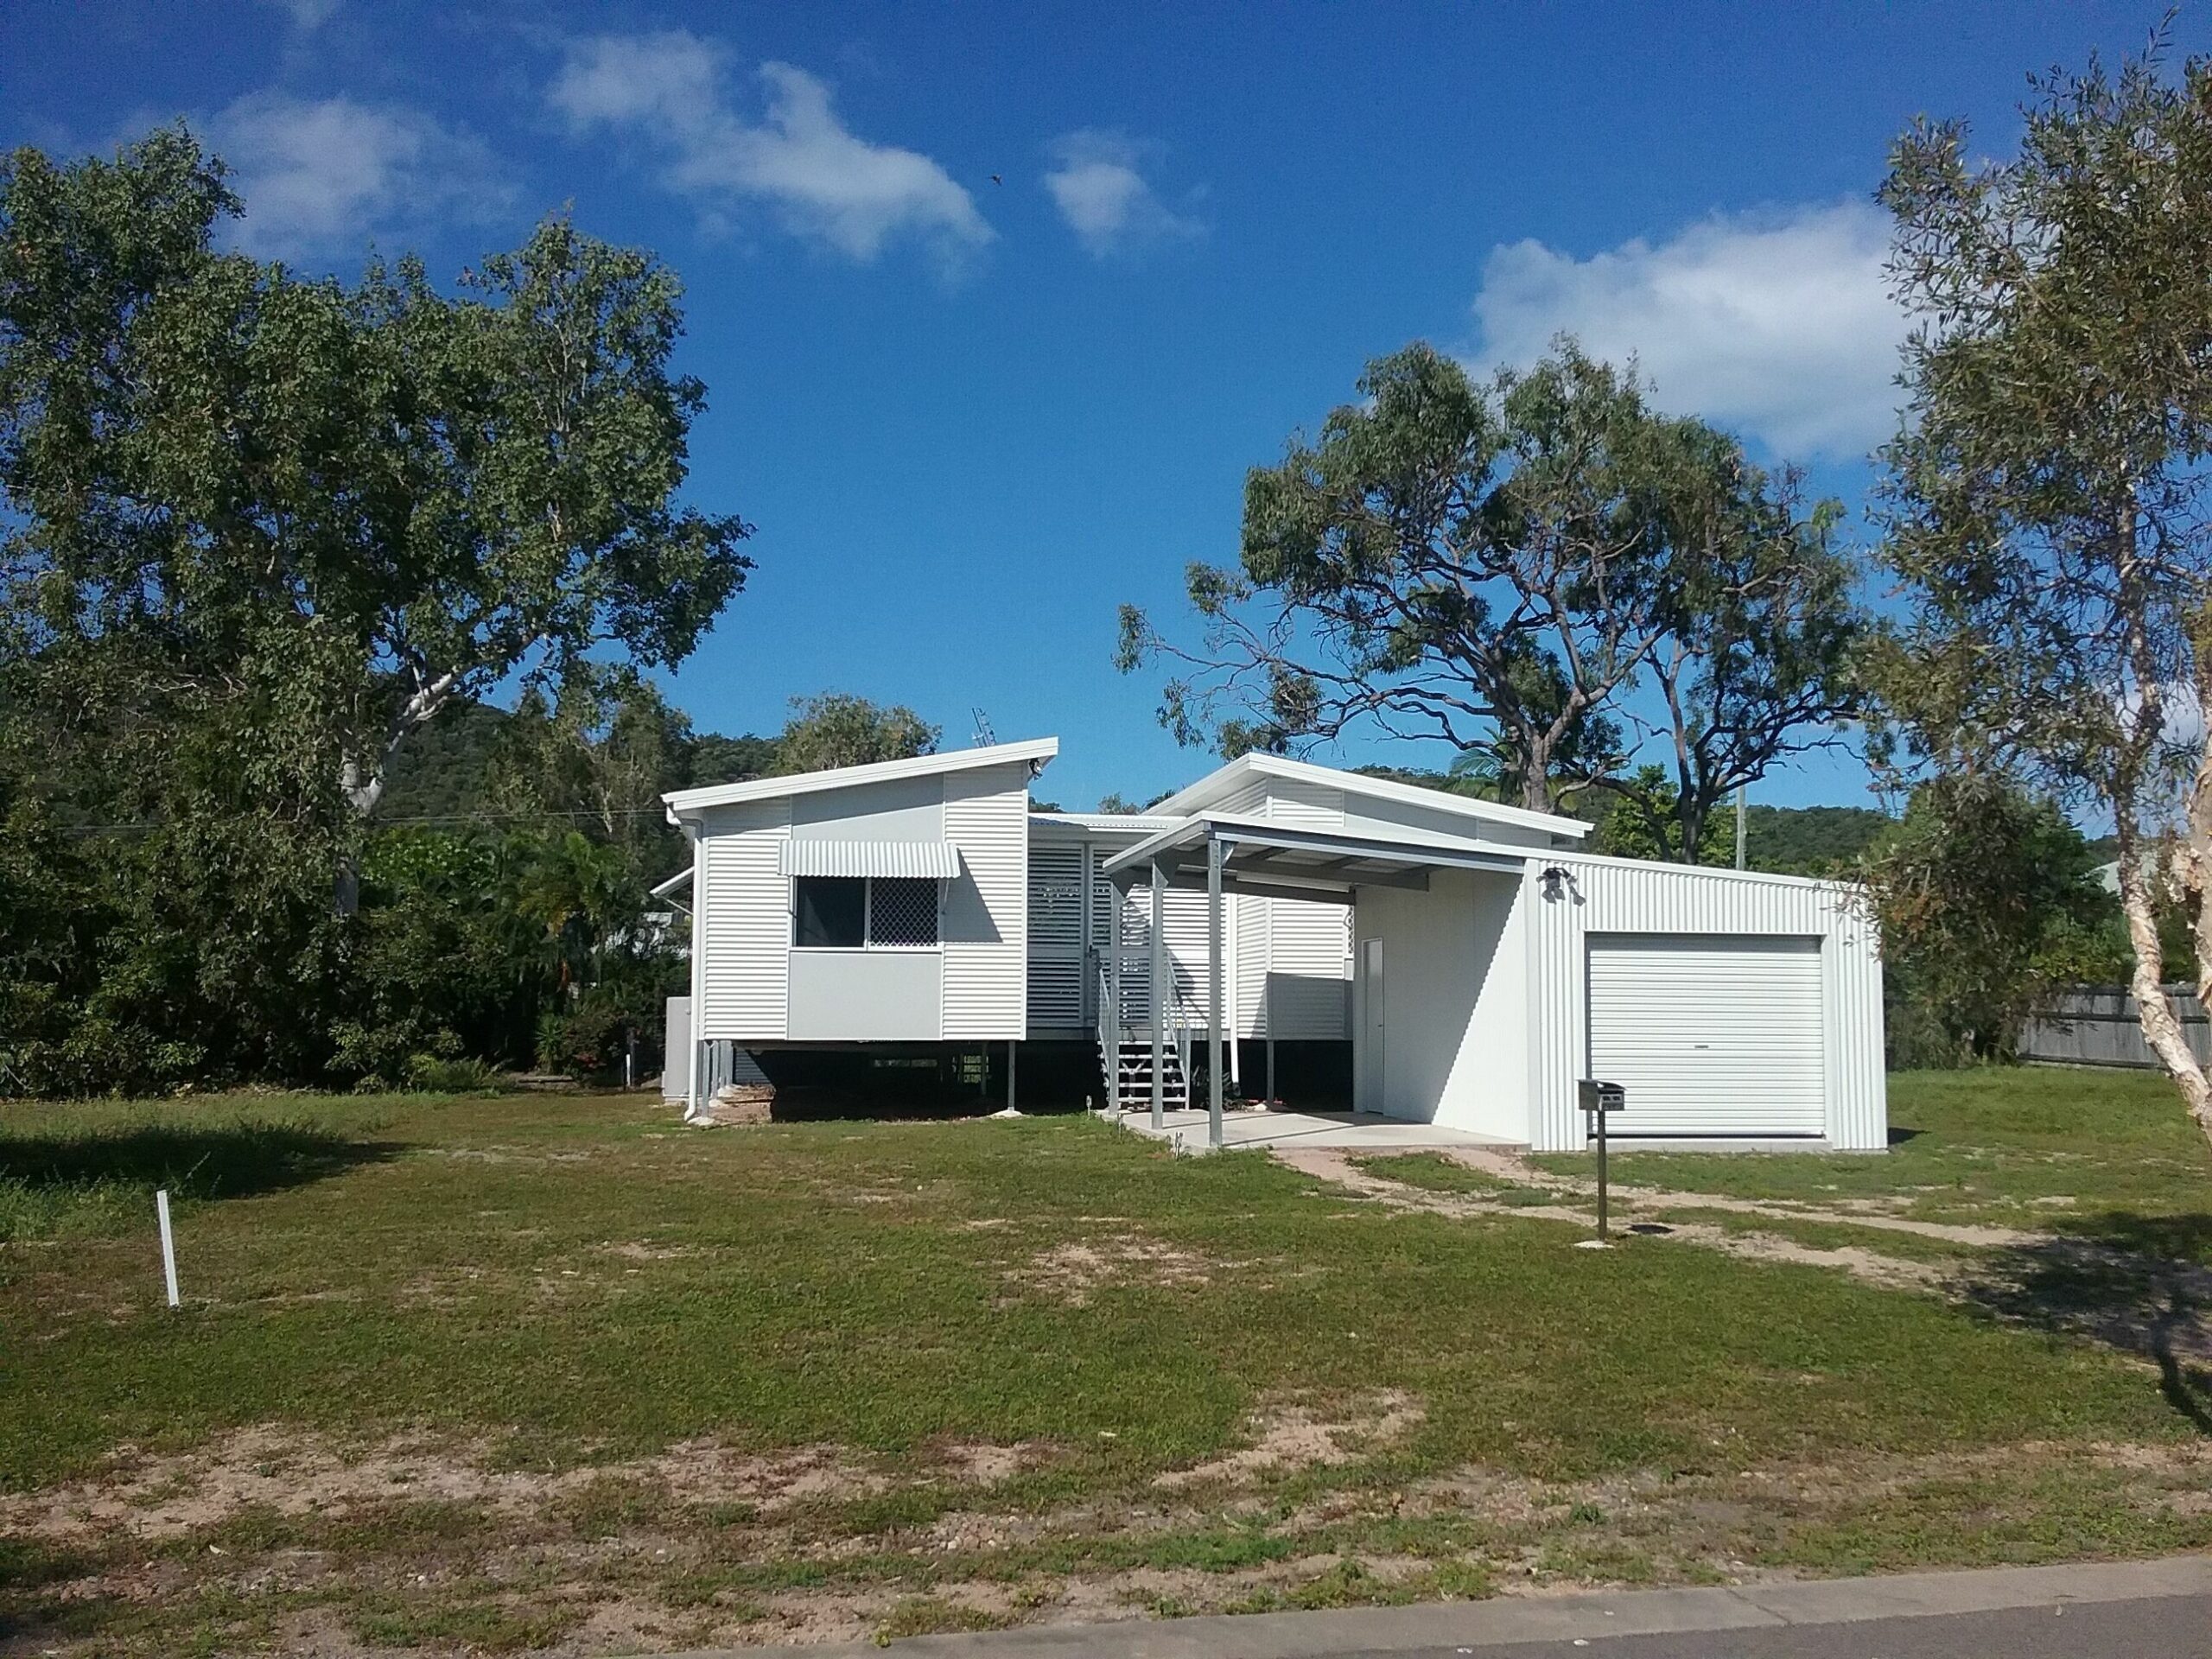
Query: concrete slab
{"type": "Point", "coordinates": [1360, 1131]}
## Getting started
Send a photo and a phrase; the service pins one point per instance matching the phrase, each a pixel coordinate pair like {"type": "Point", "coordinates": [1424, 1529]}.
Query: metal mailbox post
{"type": "Point", "coordinates": [1600, 1100]}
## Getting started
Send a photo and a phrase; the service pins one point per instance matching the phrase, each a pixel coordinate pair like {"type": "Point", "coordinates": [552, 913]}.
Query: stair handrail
{"type": "Point", "coordinates": [1110, 1033]}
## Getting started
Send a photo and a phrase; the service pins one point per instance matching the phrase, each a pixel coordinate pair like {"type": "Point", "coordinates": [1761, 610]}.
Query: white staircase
{"type": "Point", "coordinates": [1132, 1076]}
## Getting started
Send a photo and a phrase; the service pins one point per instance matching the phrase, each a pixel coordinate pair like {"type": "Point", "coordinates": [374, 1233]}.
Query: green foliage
{"type": "Point", "coordinates": [1987, 899]}
{"type": "Point", "coordinates": [2048, 493]}
{"type": "Point", "coordinates": [261, 536]}
{"type": "Point", "coordinates": [429, 1074]}
{"type": "Point", "coordinates": [836, 729]}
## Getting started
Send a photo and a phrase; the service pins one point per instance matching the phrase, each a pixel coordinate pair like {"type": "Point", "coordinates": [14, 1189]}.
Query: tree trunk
{"type": "Point", "coordinates": [2154, 1011]}
{"type": "Point", "coordinates": [2194, 872]}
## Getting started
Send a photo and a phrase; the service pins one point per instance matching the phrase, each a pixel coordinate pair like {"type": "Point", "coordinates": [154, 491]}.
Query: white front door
{"type": "Point", "coordinates": [1369, 1096]}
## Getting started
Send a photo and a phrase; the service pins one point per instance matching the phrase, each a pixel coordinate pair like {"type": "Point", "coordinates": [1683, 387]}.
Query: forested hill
{"type": "Point", "coordinates": [445, 772]}
{"type": "Point", "coordinates": [1782, 840]}
{"type": "Point", "coordinates": [1807, 840]}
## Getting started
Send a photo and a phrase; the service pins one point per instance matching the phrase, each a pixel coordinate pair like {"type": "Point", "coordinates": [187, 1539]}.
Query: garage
{"type": "Point", "coordinates": [1710, 1035]}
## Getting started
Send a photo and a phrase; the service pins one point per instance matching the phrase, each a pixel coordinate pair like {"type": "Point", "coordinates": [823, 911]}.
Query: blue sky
{"type": "Point", "coordinates": [970, 415]}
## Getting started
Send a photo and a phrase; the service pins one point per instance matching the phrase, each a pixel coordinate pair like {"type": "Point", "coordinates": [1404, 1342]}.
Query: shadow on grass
{"type": "Point", "coordinates": [823, 1104]}
{"type": "Point", "coordinates": [234, 1160]}
{"type": "Point", "coordinates": [2137, 1283]}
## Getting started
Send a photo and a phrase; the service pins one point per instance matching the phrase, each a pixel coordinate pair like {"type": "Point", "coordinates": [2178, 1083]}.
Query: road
{"type": "Point", "coordinates": [2112, 1610]}
{"type": "Point", "coordinates": [2164, 1627]}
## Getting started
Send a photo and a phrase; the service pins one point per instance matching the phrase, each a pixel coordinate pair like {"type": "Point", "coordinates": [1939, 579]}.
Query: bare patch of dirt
{"type": "Point", "coordinates": [286, 1472]}
{"type": "Point", "coordinates": [660, 1569]}
{"type": "Point", "coordinates": [1290, 1435]}
{"type": "Point", "coordinates": [637, 1250]}
{"type": "Point", "coordinates": [1072, 1273]}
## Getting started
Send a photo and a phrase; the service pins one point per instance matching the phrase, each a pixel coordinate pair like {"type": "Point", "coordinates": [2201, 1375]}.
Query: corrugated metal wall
{"type": "Point", "coordinates": [744, 923]}
{"type": "Point", "coordinates": [986, 953]}
{"type": "Point", "coordinates": [1600, 895]}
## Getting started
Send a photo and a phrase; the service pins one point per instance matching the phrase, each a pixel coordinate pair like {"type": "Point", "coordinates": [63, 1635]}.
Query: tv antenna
{"type": "Point", "coordinates": [985, 737]}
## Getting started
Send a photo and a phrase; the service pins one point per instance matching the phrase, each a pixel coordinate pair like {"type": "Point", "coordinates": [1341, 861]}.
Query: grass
{"type": "Point", "coordinates": [1434, 1173]}
{"type": "Point", "coordinates": [2069, 1149]}
{"type": "Point", "coordinates": [560, 1369]}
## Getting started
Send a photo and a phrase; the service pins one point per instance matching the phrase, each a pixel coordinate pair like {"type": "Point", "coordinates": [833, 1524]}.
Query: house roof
{"type": "Point", "coordinates": [1036, 752]}
{"type": "Point", "coordinates": [1223, 780]}
{"type": "Point", "coordinates": [1263, 854]}
{"type": "Point", "coordinates": [1127, 823]}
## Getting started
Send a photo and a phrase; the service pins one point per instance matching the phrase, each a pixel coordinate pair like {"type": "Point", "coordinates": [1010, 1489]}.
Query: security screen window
{"type": "Point", "coordinates": [846, 913]}
{"type": "Point", "coordinates": [831, 912]}
{"type": "Point", "coordinates": [901, 910]}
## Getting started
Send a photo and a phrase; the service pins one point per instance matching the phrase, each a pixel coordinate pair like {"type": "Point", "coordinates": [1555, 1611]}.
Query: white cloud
{"type": "Point", "coordinates": [1778, 325]}
{"type": "Point", "coordinates": [1107, 203]}
{"type": "Point", "coordinates": [822, 182]}
{"type": "Point", "coordinates": [326, 176]}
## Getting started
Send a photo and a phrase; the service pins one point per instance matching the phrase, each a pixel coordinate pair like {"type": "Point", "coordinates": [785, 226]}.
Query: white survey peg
{"type": "Point", "coordinates": [168, 1244]}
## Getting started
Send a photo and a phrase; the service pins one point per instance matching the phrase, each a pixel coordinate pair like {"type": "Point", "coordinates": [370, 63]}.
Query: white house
{"type": "Point", "coordinates": [1464, 959]}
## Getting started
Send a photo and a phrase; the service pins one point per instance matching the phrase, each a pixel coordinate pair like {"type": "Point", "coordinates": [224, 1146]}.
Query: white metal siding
{"type": "Point", "coordinates": [1293, 969]}
{"type": "Point", "coordinates": [986, 954]}
{"type": "Point", "coordinates": [743, 922]}
{"type": "Point", "coordinates": [1254, 920]}
{"type": "Point", "coordinates": [1607, 895]}
{"type": "Point", "coordinates": [1187, 945]}
{"type": "Point", "coordinates": [1312, 806]}
{"type": "Point", "coordinates": [1709, 1035]}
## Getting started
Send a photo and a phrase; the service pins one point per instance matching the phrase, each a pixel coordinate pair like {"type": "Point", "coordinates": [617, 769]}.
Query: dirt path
{"type": "Point", "coordinates": [1512, 1166]}
{"type": "Point", "coordinates": [2157, 1309]}
{"type": "Point", "coordinates": [1335, 1166]}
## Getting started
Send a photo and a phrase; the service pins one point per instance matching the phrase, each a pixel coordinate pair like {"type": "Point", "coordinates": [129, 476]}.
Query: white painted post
{"type": "Point", "coordinates": [1213, 989]}
{"type": "Point", "coordinates": [1111, 1017]}
{"type": "Point", "coordinates": [1159, 997]}
{"type": "Point", "coordinates": [168, 1244]}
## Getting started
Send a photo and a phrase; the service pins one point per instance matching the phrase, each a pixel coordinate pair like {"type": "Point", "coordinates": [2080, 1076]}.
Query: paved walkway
{"type": "Point", "coordinates": [2097, 1611]}
{"type": "Point", "coordinates": [1359, 1131]}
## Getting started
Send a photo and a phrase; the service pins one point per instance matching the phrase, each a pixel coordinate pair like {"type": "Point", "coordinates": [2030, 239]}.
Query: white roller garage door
{"type": "Point", "coordinates": [1709, 1035]}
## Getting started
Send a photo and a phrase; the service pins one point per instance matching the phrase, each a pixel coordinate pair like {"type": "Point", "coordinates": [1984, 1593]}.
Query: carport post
{"type": "Point", "coordinates": [1213, 989]}
{"type": "Point", "coordinates": [1009, 1074]}
{"type": "Point", "coordinates": [1111, 1016]}
{"type": "Point", "coordinates": [1157, 995]}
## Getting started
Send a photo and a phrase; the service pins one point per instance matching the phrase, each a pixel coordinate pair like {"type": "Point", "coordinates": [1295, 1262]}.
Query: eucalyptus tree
{"type": "Point", "coordinates": [1506, 566]}
{"type": "Point", "coordinates": [2047, 499]}
{"type": "Point", "coordinates": [257, 530]}
{"type": "Point", "coordinates": [366, 501]}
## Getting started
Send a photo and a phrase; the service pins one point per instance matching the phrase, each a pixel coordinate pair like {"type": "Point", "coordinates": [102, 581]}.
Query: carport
{"type": "Point", "coordinates": [1221, 853]}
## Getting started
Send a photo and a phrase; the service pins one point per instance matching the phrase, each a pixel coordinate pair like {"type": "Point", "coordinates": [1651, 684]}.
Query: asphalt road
{"type": "Point", "coordinates": [2167, 1627]}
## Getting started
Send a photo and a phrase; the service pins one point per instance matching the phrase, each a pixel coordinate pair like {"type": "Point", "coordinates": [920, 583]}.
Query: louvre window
{"type": "Point", "coordinates": [848, 911]}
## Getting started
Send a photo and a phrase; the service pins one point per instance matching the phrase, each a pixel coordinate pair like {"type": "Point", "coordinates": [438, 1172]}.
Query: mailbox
{"type": "Point", "coordinates": [1603, 1097]}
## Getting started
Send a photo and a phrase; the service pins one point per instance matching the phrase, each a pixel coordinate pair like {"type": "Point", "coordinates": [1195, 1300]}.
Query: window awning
{"type": "Point", "coordinates": [938, 858]}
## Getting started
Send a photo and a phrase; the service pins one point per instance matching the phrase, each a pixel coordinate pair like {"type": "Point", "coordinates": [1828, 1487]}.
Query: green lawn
{"type": "Point", "coordinates": [2069, 1149]}
{"type": "Point", "coordinates": [555, 1372]}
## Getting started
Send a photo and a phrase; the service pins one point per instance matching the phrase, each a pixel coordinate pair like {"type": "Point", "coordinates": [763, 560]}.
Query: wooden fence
{"type": "Point", "coordinates": [2095, 1025]}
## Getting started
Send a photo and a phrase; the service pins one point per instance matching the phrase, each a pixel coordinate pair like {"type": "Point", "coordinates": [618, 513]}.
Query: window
{"type": "Point", "coordinates": [831, 910]}
{"type": "Point", "coordinates": [901, 910]}
{"type": "Point", "coordinates": [848, 912]}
